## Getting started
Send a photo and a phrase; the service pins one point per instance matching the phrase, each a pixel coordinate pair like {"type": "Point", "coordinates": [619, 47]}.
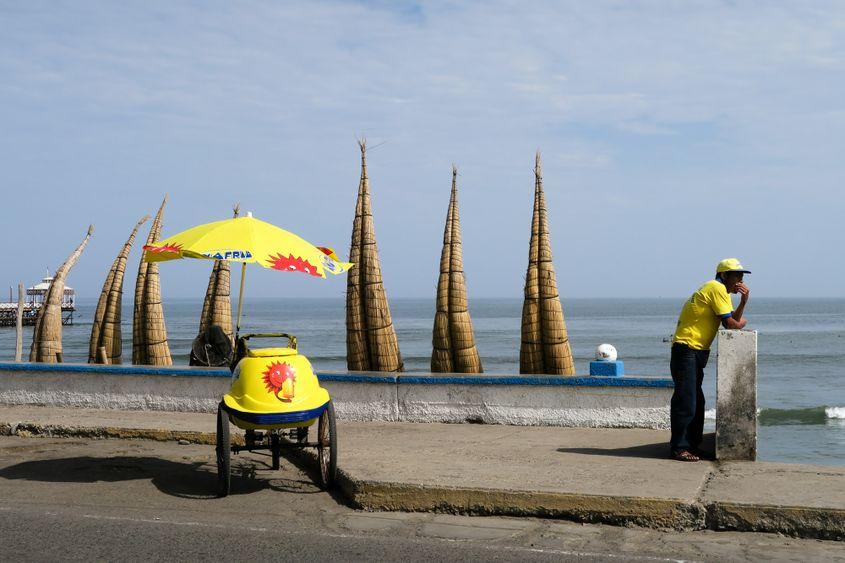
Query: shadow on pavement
{"type": "Point", "coordinates": [185, 479]}
{"type": "Point", "coordinates": [659, 450]}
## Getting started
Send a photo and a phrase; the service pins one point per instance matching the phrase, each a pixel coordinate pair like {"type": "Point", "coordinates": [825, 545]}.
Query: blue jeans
{"type": "Point", "coordinates": [687, 407]}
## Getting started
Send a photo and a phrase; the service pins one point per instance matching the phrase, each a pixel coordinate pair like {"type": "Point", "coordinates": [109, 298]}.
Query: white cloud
{"type": "Point", "coordinates": [655, 101]}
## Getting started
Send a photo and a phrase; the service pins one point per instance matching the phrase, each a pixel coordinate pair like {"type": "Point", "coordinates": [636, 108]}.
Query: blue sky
{"type": "Point", "coordinates": [673, 135]}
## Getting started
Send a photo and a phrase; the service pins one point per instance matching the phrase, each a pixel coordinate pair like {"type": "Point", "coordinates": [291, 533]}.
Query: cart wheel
{"type": "Point", "coordinates": [224, 453]}
{"type": "Point", "coordinates": [327, 447]}
{"type": "Point", "coordinates": [276, 449]}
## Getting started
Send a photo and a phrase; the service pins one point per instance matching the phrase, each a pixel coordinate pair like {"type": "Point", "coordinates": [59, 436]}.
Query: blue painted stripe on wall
{"type": "Point", "coordinates": [615, 381]}
{"type": "Point", "coordinates": [353, 377]}
{"type": "Point", "coordinates": [357, 377]}
{"type": "Point", "coordinates": [116, 370]}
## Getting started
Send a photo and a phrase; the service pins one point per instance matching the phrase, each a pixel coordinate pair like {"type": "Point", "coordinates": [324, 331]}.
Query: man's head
{"type": "Point", "coordinates": [731, 272]}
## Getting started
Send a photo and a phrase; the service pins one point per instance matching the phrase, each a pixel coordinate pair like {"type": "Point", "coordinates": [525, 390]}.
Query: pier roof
{"type": "Point", "coordinates": [45, 285]}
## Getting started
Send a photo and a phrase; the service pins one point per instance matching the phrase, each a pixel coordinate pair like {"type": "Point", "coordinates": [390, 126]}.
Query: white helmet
{"type": "Point", "coordinates": [606, 352]}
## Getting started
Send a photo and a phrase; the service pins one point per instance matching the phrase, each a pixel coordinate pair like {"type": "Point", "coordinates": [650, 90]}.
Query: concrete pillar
{"type": "Point", "coordinates": [736, 396]}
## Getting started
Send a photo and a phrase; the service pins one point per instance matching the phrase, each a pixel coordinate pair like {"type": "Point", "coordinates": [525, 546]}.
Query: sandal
{"type": "Point", "coordinates": [685, 455]}
{"type": "Point", "coordinates": [703, 454]}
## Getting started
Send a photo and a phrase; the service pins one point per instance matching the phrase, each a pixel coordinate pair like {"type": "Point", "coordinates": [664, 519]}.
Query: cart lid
{"type": "Point", "coordinates": [269, 352]}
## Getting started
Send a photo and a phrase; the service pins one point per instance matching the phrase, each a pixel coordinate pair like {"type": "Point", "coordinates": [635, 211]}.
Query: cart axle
{"type": "Point", "coordinates": [287, 445]}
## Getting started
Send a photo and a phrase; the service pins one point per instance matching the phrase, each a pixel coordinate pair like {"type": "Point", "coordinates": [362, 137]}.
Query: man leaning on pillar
{"type": "Point", "coordinates": [698, 323]}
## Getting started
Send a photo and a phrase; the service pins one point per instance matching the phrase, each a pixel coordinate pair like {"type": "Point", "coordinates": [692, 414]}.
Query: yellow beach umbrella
{"type": "Point", "coordinates": [245, 240]}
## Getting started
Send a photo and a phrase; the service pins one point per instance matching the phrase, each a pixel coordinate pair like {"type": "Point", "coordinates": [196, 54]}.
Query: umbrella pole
{"type": "Point", "coordinates": [240, 300]}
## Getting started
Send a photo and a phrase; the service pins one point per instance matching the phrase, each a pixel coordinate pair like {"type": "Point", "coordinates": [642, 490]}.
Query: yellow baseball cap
{"type": "Point", "coordinates": [730, 265]}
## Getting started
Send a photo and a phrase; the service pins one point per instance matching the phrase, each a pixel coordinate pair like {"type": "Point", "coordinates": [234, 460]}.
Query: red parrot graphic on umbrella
{"type": "Point", "coordinates": [291, 263]}
{"type": "Point", "coordinates": [163, 249]}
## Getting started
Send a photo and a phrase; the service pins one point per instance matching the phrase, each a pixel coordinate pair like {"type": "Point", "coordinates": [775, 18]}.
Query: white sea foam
{"type": "Point", "coordinates": [710, 414]}
{"type": "Point", "coordinates": [835, 412]}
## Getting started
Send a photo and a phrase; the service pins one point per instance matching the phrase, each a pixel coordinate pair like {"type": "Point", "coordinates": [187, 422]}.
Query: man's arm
{"type": "Point", "coordinates": [736, 321]}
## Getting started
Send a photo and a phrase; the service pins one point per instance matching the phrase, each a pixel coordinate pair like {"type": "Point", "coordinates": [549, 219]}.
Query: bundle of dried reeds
{"type": "Point", "coordinates": [545, 342]}
{"type": "Point", "coordinates": [106, 344]}
{"type": "Point", "coordinates": [47, 336]}
{"type": "Point", "coordinates": [453, 340]}
{"type": "Point", "coordinates": [371, 343]}
{"type": "Point", "coordinates": [217, 305]}
{"type": "Point", "coordinates": [149, 333]}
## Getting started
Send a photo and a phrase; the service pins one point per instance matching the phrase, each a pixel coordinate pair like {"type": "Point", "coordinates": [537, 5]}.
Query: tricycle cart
{"type": "Point", "coordinates": [275, 398]}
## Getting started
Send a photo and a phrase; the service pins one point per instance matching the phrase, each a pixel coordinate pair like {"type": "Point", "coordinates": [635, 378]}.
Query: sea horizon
{"type": "Point", "coordinates": [247, 297]}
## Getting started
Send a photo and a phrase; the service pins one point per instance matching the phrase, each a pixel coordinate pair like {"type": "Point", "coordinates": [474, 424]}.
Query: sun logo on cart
{"type": "Point", "coordinates": [279, 378]}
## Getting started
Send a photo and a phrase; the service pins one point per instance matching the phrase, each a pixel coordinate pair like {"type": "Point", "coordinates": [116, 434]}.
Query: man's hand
{"type": "Point", "coordinates": [736, 321]}
{"type": "Point", "coordinates": [743, 291]}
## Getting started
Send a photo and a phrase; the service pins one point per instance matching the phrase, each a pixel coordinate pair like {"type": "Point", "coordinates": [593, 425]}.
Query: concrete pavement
{"type": "Point", "coordinates": [85, 499]}
{"type": "Point", "coordinates": [617, 476]}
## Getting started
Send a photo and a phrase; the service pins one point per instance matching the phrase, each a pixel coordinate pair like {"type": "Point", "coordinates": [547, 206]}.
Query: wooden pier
{"type": "Point", "coordinates": [34, 301]}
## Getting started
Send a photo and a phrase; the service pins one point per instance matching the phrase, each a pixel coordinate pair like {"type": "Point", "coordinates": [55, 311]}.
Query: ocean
{"type": "Point", "coordinates": [801, 372]}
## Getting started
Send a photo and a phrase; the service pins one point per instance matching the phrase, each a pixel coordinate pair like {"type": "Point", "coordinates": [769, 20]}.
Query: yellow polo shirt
{"type": "Point", "coordinates": [702, 315]}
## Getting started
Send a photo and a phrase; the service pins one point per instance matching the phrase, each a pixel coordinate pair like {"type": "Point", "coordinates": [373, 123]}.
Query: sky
{"type": "Point", "coordinates": [673, 134]}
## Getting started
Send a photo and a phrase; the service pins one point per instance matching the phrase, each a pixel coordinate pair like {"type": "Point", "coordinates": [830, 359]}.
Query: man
{"type": "Point", "coordinates": [700, 318]}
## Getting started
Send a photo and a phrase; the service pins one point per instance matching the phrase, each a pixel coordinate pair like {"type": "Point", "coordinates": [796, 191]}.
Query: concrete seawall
{"type": "Point", "coordinates": [597, 402]}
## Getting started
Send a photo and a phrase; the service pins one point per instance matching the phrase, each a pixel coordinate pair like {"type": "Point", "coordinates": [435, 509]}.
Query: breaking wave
{"type": "Point", "coordinates": [835, 412]}
{"type": "Point", "coordinates": [782, 417]}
